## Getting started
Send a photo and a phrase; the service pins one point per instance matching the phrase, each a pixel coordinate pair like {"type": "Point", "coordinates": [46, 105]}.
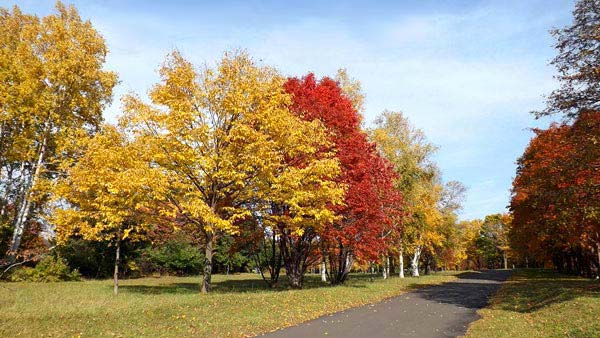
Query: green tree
{"type": "Point", "coordinates": [493, 240]}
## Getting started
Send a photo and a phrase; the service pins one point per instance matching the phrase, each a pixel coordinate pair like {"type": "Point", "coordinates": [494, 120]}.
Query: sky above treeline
{"type": "Point", "coordinates": [465, 72]}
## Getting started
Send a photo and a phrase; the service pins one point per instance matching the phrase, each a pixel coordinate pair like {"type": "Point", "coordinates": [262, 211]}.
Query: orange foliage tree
{"type": "Point", "coordinates": [556, 197]}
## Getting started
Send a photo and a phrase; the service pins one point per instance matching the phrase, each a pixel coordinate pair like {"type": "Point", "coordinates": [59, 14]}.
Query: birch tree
{"type": "Point", "coordinates": [410, 154]}
{"type": "Point", "coordinates": [52, 83]}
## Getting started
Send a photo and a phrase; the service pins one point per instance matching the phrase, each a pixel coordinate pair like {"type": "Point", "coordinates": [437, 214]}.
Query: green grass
{"type": "Point", "coordinates": [541, 303]}
{"type": "Point", "coordinates": [172, 307]}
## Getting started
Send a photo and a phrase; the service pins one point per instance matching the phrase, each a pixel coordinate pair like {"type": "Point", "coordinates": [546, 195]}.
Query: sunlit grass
{"type": "Point", "coordinates": [241, 305]}
{"type": "Point", "coordinates": [541, 303]}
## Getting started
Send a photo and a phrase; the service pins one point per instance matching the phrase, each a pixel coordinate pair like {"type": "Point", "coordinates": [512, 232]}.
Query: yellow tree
{"type": "Point", "coordinates": [468, 253]}
{"type": "Point", "coordinates": [352, 89]}
{"type": "Point", "coordinates": [408, 150]}
{"type": "Point", "coordinates": [296, 204]}
{"type": "Point", "coordinates": [106, 192]}
{"type": "Point", "coordinates": [423, 230]}
{"type": "Point", "coordinates": [448, 253]}
{"type": "Point", "coordinates": [51, 84]}
{"type": "Point", "coordinates": [503, 240]}
{"type": "Point", "coordinates": [495, 231]}
{"type": "Point", "coordinates": [428, 227]}
{"type": "Point", "coordinates": [452, 251]}
{"type": "Point", "coordinates": [224, 139]}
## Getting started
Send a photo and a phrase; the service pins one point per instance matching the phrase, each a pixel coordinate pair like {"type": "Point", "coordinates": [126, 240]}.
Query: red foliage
{"type": "Point", "coordinates": [371, 198]}
{"type": "Point", "coordinates": [33, 245]}
{"type": "Point", "coordinates": [556, 194]}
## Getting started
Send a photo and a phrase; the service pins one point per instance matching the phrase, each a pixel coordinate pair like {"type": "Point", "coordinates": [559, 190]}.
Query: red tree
{"type": "Point", "coordinates": [371, 198]}
{"type": "Point", "coordinates": [556, 196]}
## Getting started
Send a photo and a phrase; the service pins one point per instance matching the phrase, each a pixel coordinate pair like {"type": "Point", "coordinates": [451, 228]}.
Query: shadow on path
{"type": "Point", "coordinates": [472, 289]}
{"type": "Point", "coordinates": [436, 311]}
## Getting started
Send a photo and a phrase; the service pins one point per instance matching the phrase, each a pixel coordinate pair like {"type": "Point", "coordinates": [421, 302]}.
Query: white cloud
{"type": "Point", "coordinates": [466, 77]}
{"type": "Point", "coordinates": [465, 102]}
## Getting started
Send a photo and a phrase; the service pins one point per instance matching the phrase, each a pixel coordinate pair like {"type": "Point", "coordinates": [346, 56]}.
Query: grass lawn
{"type": "Point", "coordinates": [541, 303]}
{"type": "Point", "coordinates": [240, 305]}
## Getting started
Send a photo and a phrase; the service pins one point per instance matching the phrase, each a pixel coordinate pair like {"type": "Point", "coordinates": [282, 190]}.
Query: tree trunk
{"type": "Point", "coordinates": [401, 262]}
{"type": "Point", "coordinates": [505, 260]}
{"type": "Point", "coordinates": [323, 271]}
{"type": "Point", "coordinates": [387, 265]}
{"type": "Point", "coordinates": [117, 262]}
{"type": "Point", "coordinates": [208, 255]}
{"type": "Point", "coordinates": [274, 262]}
{"type": "Point", "coordinates": [415, 262]}
{"type": "Point", "coordinates": [9, 186]}
{"type": "Point", "coordinates": [348, 262]}
{"type": "Point", "coordinates": [23, 214]}
{"type": "Point", "coordinates": [296, 253]}
{"type": "Point", "coordinates": [598, 250]}
{"type": "Point", "coordinates": [294, 279]}
{"type": "Point", "coordinates": [384, 267]}
{"type": "Point", "coordinates": [340, 265]}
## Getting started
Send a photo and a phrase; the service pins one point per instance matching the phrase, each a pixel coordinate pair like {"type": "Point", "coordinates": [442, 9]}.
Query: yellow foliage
{"type": "Point", "coordinates": [107, 190]}
{"type": "Point", "coordinates": [225, 141]}
{"type": "Point", "coordinates": [53, 89]}
{"type": "Point", "coordinates": [418, 178]}
{"type": "Point", "coordinates": [352, 89]}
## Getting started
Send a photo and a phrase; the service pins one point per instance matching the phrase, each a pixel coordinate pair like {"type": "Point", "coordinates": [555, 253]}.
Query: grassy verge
{"type": "Point", "coordinates": [541, 303]}
{"type": "Point", "coordinates": [172, 307]}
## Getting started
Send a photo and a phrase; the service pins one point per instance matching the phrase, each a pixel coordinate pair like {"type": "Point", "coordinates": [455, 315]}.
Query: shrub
{"type": "Point", "coordinates": [175, 257]}
{"type": "Point", "coordinates": [48, 269]}
{"type": "Point", "coordinates": [96, 259]}
{"type": "Point", "coordinates": [228, 258]}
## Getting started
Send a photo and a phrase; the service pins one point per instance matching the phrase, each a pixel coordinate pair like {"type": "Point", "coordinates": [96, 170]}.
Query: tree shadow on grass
{"type": "Point", "coordinates": [246, 285]}
{"type": "Point", "coordinates": [533, 289]}
{"type": "Point", "coordinates": [529, 290]}
{"type": "Point", "coordinates": [166, 288]}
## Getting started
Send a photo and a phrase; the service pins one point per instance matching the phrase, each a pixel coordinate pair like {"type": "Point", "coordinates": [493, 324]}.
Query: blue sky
{"type": "Point", "coordinates": [466, 72]}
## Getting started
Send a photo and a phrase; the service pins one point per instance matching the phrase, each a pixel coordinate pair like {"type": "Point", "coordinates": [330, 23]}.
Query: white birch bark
{"type": "Point", "coordinates": [23, 213]}
{"type": "Point", "coordinates": [387, 265]}
{"type": "Point", "coordinates": [349, 261]}
{"type": "Point", "coordinates": [401, 262]}
{"type": "Point", "coordinates": [116, 272]}
{"type": "Point", "coordinates": [415, 262]}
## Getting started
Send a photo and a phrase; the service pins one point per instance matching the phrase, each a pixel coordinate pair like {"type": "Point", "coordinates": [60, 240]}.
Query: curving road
{"type": "Point", "coordinates": [436, 311]}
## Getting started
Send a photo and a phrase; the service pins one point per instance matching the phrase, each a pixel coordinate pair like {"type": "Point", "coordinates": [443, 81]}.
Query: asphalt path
{"type": "Point", "coordinates": [443, 310]}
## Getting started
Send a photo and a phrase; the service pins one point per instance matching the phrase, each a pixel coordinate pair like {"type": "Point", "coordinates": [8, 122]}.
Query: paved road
{"type": "Point", "coordinates": [436, 311]}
